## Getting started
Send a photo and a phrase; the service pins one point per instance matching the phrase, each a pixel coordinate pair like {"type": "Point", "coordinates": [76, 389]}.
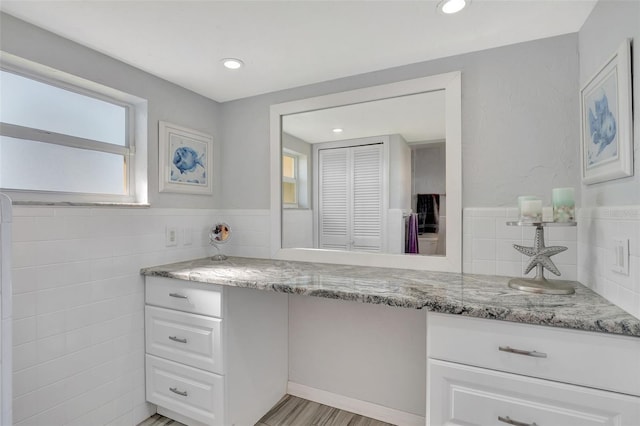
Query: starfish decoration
{"type": "Point", "coordinates": [540, 254]}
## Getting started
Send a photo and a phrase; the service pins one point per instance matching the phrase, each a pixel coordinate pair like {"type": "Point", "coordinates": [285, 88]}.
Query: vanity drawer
{"type": "Point", "coordinates": [464, 395]}
{"type": "Point", "coordinates": [188, 391]}
{"type": "Point", "coordinates": [187, 296]}
{"type": "Point", "coordinates": [599, 360]}
{"type": "Point", "coordinates": [183, 337]}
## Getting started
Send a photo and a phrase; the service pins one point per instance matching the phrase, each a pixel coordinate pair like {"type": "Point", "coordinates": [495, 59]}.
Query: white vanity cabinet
{"type": "Point", "coordinates": [215, 355]}
{"type": "Point", "coordinates": [488, 372]}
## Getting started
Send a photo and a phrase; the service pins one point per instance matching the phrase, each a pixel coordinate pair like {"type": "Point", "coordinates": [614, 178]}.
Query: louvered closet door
{"type": "Point", "coordinates": [367, 198]}
{"type": "Point", "coordinates": [333, 199]}
{"type": "Point", "coordinates": [350, 198]}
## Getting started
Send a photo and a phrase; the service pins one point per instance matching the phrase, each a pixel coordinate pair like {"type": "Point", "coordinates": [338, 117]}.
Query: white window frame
{"type": "Point", "coordinates": [293, 180]}
{"type": "Point", "coordinates": [135, 124]}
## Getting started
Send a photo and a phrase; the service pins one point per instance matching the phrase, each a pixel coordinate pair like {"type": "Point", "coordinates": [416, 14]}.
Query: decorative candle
{"type": "Point", "coordinates": [547, 214]}
{"type": "Point", "coordinates": [531, 210]}
{"type": "Point", "coordinates": [524, 198]}
{"type": "Point", "coordinates": [563, 204]}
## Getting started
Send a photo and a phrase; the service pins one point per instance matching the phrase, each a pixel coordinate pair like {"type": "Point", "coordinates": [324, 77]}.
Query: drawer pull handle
{"type": "Point", "coordinates": [175, 390]}
{"type": "Point", "coordinates": [515, 422]}
{"type": "Point", "coordinates": [178, 296]}
{"type": "Point", "coordinates": [521, 352]}
{"type": "Point", "coordinates": [177, 339]}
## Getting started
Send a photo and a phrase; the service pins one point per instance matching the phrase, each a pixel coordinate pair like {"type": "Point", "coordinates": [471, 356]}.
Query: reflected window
{"type": "Point", "coordinates": [289, 180]}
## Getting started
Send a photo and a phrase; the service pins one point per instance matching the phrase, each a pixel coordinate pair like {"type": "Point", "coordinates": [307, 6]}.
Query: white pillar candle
{"type": "Point", "coordinates": [547, 214]}
{"type": "Point", "coordinates": [531, 210]}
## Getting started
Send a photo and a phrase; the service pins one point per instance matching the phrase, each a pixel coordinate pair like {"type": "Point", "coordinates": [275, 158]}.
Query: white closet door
{"type": "Point", "coordinates": [367, 198]}
{"type": "Point", "coordinates": [350, 198]}
{"type": "Point", "coordinates": [333, 206]}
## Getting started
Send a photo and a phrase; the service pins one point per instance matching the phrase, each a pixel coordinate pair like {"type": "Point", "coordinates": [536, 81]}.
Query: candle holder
{"type": "Point", "coordinates": [541, 260]}
{"type": "Point", "coordinates": [530, 208]}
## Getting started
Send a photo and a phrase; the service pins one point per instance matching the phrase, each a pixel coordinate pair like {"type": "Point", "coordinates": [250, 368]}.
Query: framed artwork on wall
{"type": "Point", "coordinates": [606, 120]}
{"type": "Point", "coordinates": [185, 160]}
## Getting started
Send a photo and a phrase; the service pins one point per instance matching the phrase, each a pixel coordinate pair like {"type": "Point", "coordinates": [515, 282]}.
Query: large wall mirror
{"type": "Point", "coordinates": [370, 176]}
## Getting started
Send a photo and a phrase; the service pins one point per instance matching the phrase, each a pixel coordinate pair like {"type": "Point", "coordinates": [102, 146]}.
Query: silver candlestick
{"type": "Point", "coordinates": [541, 260]}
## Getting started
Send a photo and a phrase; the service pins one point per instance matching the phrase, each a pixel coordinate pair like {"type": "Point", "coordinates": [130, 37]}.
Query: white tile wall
{"type": "Point", "coordinates": [488, 249]}
{"type": "Point", "coordinates": [250, 232]}
{"type": "Point", "coordinates": [79, 300]}
{"type": "Point", "coordinates": [597, 228]}
{"type": "Point", "coordinates": [488, 244]}
{"type": "Point", "coordinates": [78, 296]}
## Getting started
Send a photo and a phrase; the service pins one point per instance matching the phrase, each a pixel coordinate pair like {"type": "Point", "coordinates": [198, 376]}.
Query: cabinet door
{"type": "Point", "coordinates": [464, 395]}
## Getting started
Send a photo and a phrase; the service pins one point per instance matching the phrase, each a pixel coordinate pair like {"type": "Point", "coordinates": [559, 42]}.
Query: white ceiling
{"type": "Point", "coordinates": [418, 118]}
{"type": "Point", "coordinates": [290, 43]}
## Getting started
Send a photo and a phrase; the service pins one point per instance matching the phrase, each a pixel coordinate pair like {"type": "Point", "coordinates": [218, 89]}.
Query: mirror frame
{"type": "Point", "coordinates": [452, 261]}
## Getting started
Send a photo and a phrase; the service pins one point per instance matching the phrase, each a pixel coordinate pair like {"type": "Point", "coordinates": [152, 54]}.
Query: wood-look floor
{"type": "Point", "coordinates": [293, 411]}
{"type": "Point", "coordinates": [158, 420]}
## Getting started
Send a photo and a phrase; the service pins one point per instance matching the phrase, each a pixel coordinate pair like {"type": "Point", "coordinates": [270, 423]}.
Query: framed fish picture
{"type": "Point", "coordinates": [185, 160]}
{"type": "Point", "coordinates": [606, 120]}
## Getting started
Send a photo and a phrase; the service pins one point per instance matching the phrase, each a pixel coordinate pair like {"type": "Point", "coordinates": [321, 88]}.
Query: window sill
{"type": "Point", "coordinates": [80, 204]}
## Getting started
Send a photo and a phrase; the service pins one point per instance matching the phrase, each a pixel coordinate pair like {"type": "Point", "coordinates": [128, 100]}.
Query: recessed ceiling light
{"type": "Point", "coordinates": [232, 63]}
{"type": "Point", "coordinates": [337, 130]}
{"type": "Point", "coordinates": [449, 7]}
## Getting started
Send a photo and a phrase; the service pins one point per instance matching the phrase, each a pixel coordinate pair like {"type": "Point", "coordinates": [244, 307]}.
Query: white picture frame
{"type": "Point", "coordinates": [606, 121]}
{"type": "Point", "coordinates": [185, 160]}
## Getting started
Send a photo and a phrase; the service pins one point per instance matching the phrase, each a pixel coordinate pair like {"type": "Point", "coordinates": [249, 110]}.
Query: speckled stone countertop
{"type": "Point", "coordinates": [481, 296]}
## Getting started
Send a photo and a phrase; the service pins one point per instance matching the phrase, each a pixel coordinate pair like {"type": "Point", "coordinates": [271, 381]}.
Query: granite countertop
{"type": "Point", "coordinates": [481, 296]}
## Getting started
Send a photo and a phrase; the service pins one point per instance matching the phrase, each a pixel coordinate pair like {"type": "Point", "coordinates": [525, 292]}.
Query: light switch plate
{"type": "Point", "coordinates": [187, 237]}
{"type": "Point", "coordinates": [621, 256]}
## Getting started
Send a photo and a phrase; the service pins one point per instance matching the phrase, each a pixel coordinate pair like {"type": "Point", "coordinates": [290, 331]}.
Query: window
{"type": "Point", "coordinates": [289, 181]}
{"type": "Point", "coordinates": [66, 139]}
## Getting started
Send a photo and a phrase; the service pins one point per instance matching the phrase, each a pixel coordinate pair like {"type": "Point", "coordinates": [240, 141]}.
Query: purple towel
{"type": "Point", "coordinates": [412, 234]}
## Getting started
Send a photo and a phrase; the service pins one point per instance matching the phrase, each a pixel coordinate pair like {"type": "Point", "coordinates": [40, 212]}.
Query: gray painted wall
{"type": "Point", "coordinates": [520, 126]}
{"type": "Point", "coordinates": [399, 173]}
{"type": "Point", "coordinates": [166, 101]}
{"type": "Point", "coordinates": [352, 348]}
{"type": "Point", "coordinates": [598, 40]}
{"type": "Point", "coordinates": [429, 169]}
{"type": "Point", "coordinates": [296, 144]}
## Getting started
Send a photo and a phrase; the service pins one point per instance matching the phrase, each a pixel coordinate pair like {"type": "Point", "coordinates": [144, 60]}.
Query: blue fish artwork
{"type": "Point", "coordinates": [186, 159]}
{"type": "Point", "coordinates": [602, 124]}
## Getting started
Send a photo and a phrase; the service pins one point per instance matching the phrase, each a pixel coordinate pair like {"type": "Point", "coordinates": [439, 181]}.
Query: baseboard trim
{"type": "Point", "coordinates": [368, 409]}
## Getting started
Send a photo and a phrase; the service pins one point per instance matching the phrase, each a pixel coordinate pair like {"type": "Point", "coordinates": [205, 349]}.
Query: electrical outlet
{"type": "Point", "coordinates": [171, 236]}
{"type": "Point", "coordinates": [621, 256]}
{"type": "Point", "coordinates": [187, 239]}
